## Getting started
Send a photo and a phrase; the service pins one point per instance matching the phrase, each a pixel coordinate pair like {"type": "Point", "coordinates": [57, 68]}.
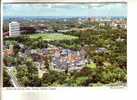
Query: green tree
{"type": "Point", "coordinates": [6, 79]}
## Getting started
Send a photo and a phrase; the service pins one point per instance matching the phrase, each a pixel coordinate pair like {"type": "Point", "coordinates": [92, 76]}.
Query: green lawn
{"type": "Point", "coordinates": [92, 65]}
{"type": "Point", "coordinates": [53, 36]}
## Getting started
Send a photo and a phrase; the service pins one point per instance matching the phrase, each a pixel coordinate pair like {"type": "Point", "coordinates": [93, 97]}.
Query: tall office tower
{"type": "Point", "coordinates": [14, 29]}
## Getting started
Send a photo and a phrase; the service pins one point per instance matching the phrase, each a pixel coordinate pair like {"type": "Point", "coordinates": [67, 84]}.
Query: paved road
{"type": "Point", "coordinates": [13, 77]}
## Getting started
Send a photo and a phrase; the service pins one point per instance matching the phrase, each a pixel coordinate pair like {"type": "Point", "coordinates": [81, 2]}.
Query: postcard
{"type": "Point", "coordinates": [51, 45]}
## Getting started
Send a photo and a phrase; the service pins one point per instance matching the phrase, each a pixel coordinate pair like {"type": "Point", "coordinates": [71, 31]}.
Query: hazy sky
{"type": "Point", "coordinates": [109, 9]}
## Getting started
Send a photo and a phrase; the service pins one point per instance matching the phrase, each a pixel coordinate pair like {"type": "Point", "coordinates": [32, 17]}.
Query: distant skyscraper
{"type": "Point", "coordinates": [14, 29]}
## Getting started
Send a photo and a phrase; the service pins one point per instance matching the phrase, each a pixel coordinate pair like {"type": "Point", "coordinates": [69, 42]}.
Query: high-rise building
{"type": "Point", "coordinates": [14, 29]}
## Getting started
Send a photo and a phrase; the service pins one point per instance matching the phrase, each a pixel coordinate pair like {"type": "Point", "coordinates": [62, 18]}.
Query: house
{"type": "Point", "coordinates": [101, 24]}
{"type": "Point", "coordinates": [67, 59]}
{"type": "Point", "coordinates": [8, 52]}
{"type": "Point", "coordinates": [6, 34]}
{"type": "Point", "coordinates": [101, 50]}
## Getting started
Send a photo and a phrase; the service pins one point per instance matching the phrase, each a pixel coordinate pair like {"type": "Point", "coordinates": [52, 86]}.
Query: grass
{"type": "Point", "coordinates": [53, 36]}
{"type": "Point", "coordinates": [92, 65]}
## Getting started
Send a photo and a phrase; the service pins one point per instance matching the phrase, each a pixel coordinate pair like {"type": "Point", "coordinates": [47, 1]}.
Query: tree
{"type": "Point", "coordinates": [22, 75]}
{"type": "Point", "coordinates": [6, 79]}
{"type": "Point", "coordinates": [52, 77]}
{"type": "Point", "coordinates": [27, 74]}
{"type": "Point", "coordinates": [16, 48]}
{"type": "Point", "coordinates": [47, 63]}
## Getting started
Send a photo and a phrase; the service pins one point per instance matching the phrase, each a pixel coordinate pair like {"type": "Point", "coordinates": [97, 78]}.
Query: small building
{"type": "Point", "coordinates": [25, 30]}
{"type": "Point", "coordinates": [101, 24]}
{"type": "Point", "coordinates": [6, 34]}
{"type": "Point", "coordinates": [8, 52]}
{"type": "Point", "coordinates": [101, 50]}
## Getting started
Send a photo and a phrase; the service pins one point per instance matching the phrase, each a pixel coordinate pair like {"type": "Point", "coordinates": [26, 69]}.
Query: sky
{"type": "Point", "coordinates": [100, 9]}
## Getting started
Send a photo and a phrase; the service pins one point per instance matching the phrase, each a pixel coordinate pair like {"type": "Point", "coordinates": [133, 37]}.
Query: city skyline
{"type": "Point", "coordinates": [108, 9]}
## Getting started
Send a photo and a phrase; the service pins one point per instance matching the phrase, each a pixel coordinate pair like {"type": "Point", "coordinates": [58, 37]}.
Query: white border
{"type": "Point", "coordinates": [64, 0]}
{"type": "Point", "coordinates": [1, 49]}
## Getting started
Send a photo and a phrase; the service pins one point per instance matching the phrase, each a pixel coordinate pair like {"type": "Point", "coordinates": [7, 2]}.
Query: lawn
{"type": "Point", "coordinates": [92, 65]}
{"type": "Point", "coordinates": [53, 36]}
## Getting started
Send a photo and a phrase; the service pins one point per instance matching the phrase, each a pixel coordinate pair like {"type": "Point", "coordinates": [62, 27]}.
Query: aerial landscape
{"type": "Point", "coordinates": [65, 45]}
